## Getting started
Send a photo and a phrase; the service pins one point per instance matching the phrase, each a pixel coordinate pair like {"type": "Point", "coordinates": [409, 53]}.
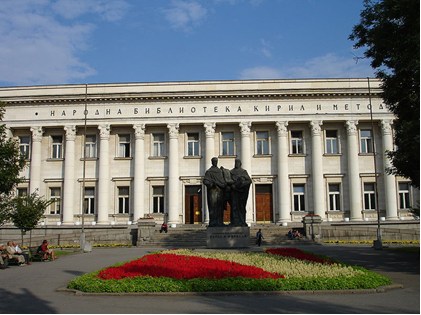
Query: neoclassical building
{"type": "Point", "coordinates": [115, 153]}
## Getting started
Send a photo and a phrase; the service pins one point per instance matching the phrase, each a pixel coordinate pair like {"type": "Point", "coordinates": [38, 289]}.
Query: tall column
{"type": "Point", "coordinates": [246, 154]}
{"type": "Point", "coordinates": [173, 175]}
{"type": "Point", "coordinates": [317, 168]}
{"type": "Point", "coordinates": [103, 176]}
{"type": "Point", "coordinates": [35, 170]}
{"type": "Point", "coordinates": [353, 171]}
{"type": "Point", "coordinates": [389, 180]}
{"type": "Point", "coordinates": [139, 172]}
{"type": "Point", "coordinates": [284, 194]}
{"type": "Point", "coordinates": [69, 175]}
{"type": "Point", "coordinates": [209, 154]}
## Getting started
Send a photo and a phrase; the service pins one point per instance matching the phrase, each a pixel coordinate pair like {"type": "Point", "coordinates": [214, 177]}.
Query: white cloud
{"type": "Point", "coordinates": [39, 48]}
{"type": "Point", "coordinates": [185, 14]}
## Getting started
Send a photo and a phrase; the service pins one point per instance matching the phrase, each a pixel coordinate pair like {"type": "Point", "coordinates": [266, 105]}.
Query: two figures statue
{"type": "Point", "coordinates": [225, 186]}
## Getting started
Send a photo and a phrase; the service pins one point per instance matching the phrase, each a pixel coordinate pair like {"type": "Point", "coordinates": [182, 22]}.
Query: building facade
{"type": "Point", "coordinates": [115, 153]}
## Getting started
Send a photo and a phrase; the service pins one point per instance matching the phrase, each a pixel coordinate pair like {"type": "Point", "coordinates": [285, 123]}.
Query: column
{"type": "Point", "coordinates": [103, 176]}
{"type": "Point", "coordinates": [355, 205]}
{"type": "Point", "coordinates": [317, 168]}
{"type": "Point", "coordinates": [245, 156]}
{"type": "Point", "coordinates": [35, 170]}
{"type": "Point", "coordinates": [139, 172]}
{"type": "Point", "coordinates": [389, 179]}
{"type": "Point", "coordinates": [173, 175]}
{"type": "Point", "coordinates": [209, 154]}
{"type": "Point", "coordinates": [284, 192]}
{"type": "Point", "coordinates": [69, 175]}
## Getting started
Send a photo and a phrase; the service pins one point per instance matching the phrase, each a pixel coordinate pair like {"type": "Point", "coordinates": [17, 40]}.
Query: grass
{"type": "Point", "coordinates": [299, 275]}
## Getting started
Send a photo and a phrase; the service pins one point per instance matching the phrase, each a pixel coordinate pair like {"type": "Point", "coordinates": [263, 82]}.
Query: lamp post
{"type": "Point", "coordinates": [378, 242]}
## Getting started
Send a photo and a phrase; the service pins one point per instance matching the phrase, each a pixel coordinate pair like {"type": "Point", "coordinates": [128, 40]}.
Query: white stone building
{"type": "Point", "coordinates": [307, 144]}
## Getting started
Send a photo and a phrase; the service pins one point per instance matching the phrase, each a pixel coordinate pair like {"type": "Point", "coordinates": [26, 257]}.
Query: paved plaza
{"type": "Point", "coordinates": [36, 288]}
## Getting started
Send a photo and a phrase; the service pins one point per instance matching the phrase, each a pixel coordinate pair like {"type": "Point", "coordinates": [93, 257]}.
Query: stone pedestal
{"type": "Point", "coordinates": [228, 237]}
{"type": "Point", "coordinates": [312, 227]}
{"type": "Point", "coordinates": [145, 230]}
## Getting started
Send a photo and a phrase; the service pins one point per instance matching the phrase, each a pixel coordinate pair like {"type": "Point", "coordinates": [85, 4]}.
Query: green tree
{"type": "Point", "coordinates": [389, 30]}
{"type": "Point", "coordinates": [27, 211]}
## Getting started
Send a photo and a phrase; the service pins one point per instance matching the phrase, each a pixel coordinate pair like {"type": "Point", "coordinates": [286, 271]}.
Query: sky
{"type": "Point", "coordinates": [48, 42]}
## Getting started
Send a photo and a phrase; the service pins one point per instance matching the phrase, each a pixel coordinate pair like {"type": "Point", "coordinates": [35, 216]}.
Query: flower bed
{"type": "Point", "coordinates": [200, 271]}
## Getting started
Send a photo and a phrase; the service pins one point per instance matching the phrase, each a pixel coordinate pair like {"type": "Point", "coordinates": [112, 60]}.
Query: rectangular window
{"type": "Point", "coordinates": [334, 197]}
{"type": "Point", "coordinates": [57, 147]}
{"type": "Point", "coordinates": [123, 200]}
{"type": "Point", "coordinates": [369, 196]}
{"type": "Point", "coordinates": [124, 145]}
{"type": "Point", "coordinates": [55, 195]}
{"type": "Point", "coordinates": [366, 141]}
{"type": "Point", "coordinates": [227, 143]}
{"type": "Point", "coordinates": [158, 199]}
{"type": "Point", "coordinates": [25, 146]}
{"type": "Point", "coordinates": [90, 146]}
{"type": "Point", "coordinates": [299, 197]}
{"type": "Point", "coordinates": [22, 191]}
{"type": "Point", "coordinates": [297, 142]}
{"type": "Point", "coordinates": [89, 200]}
{"type": "Point", "coordinates": [262, 143]}
{"type": "Point", "coordinates": [404, 200]}
{"type": "Point", "coordinates": [193, 144]}
{"type": "Point", "coordinates": [158, 143]}
{"type": "Point", "coordinates": [332, 146]}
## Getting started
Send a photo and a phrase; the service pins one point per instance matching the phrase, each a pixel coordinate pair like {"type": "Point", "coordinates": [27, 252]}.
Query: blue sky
{"type": "Point", "coordinates": [112, 41]}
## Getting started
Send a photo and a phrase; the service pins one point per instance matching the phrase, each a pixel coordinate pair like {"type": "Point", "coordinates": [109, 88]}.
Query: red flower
{"type": "Point", "coordinates": [299, 254]}
{"type": "Point", "coordinates": [184, 267]}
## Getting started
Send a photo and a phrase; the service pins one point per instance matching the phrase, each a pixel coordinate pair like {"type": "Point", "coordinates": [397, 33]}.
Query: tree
{"type": "Point", "coordinates": [27, 211]}
{"type": "Point", "coordinates": [390, 32]}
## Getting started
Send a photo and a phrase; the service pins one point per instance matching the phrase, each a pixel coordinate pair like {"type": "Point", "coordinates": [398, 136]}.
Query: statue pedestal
{"type": "Point", "coordinates": [228, 237]}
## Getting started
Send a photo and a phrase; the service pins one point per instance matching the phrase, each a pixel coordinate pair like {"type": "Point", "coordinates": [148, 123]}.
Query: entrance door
{"type": "Point", "coordinates": [193, 205]}
{"type": "Point", "coordinates": [264, 206]}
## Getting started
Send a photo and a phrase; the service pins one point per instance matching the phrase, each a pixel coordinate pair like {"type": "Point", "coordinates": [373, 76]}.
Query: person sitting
{"type": "Point", "coordinates": [19, 251]}
{"type": "Point", "coordinates": [296, 234]}
{"type": "Point", "coordinates": [290, 235]}
{"type": "Point", "coordinates": [164, 228]}
{"type": "Point", "coordinates": [11, 252]}
{"type": "Point", "coordinates": [47, 254]}
{"type": "Point", "coordinates": [3, 257]}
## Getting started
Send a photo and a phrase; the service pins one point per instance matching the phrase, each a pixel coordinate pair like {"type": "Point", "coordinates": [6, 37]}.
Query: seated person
{"type": "Point", "coordinates": [19, 251]}
{"type": "Point", "coordinates": [11, 252]}
{"type": "Point", "coordinates": [290, 235]}
{"type": "Point", "coordinates": [3, 257]}
{"type": "Point", "coordinates": [296, 234]}
{"type": "Point", "coordinates": [46, 252]}
{"type": "Point", "coordinates": [164, 228]}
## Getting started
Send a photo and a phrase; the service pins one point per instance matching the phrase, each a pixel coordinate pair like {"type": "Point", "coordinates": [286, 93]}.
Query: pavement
{"type": "Point", "coordinates": [36, 288]}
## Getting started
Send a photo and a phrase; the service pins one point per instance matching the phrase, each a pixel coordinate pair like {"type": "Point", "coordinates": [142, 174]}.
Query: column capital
{"type": "Point", "coordinates": [386, 126]}
{"type": "Point", "coordinates": [282, 128]}
{"type": "Point", "coordinates": [139, 131]}
{"type": "Point", "coordinates": [70, 132]}
{"type": "Point", "coordinates": [351, 127]}
{"type": "Point", "coordinates": [209, 129]}
{"type": "Point", "coordinates": [245, 127]}
{"type": "Point", "coordinates": [37, 134]}
{"type": "Point", "coordinates": [173, 130]}
{"type": "Point", "coordinates": [104, 131]}
{"type": "Point", "coordinates": [316, 127]}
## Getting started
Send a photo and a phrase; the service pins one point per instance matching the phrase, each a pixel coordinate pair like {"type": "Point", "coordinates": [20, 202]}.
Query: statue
{"type": "Point", "coordinates": [216, 185]}
{"type": "Point", "coordinates": [239, 194]}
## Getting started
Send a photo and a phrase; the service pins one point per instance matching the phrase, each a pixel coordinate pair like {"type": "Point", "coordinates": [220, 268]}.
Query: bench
{"type": "Point", "coordinates": [34, 255]}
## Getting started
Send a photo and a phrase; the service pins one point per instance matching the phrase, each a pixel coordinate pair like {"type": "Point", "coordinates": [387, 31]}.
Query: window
{"type": "Point", "coordinates": [227, 143]}
{"type": "Point", "coordinates": [90, 146]}
{"type": "Point", "coordinates": [193, 144]}
{"type": "Point", "coordinates": [124, 145]}
{"type": "Point", "coordinates": [369, 196]}
{"type": "Point", "coordinates": [299, 197]}
{"type": "Point", "coordinates": [55, 196]}
{"type": "Point", "coordinates": [123, 200]}
{"type": "Point", "coordinates": [366, 141]}
{"type": "Point", "coordinates": [24, 146]}
{"type": "Point", "coordinates": [158, 199]}
{"type": "Point", "coordinates": [262, 142]}
{"type": "Point", "coordinates": [334, 197]}
{"type": "Point", "coordinates": [297, 142]}
{"type": "Point", "coordinates": [22, 191]}
{"type": "Point", "coordinates": [89, 201]}
{"type": "Point", "coordinates": [57, 147]}
{"type": "Point", "coordinates": [332, 146]}
{"type": "Point", "coordinates": [158, 143]}
{"type": "Point", "coordinates": [404, 201]}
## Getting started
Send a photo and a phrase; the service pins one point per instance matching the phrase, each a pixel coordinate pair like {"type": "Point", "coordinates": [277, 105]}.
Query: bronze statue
{"type": "Point", "coordinates": [239, 194]}
{"type": "Point", "coordinates": [215, 183]}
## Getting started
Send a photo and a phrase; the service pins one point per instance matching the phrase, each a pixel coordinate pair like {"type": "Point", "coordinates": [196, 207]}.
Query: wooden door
{"type": "Point", "coordinates": [264, 205]}
{"type": "Point", "coordinates": [193, 205]}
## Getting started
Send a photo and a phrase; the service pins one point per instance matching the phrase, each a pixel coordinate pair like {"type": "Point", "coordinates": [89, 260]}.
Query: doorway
{"type": "Point", "coordinates": [193, 205]}
{"type": "Point", "coordinates": [264, 205]}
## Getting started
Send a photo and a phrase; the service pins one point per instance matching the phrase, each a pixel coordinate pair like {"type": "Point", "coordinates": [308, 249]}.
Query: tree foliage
{"type": "Point", "coordinates": [389, 30]}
